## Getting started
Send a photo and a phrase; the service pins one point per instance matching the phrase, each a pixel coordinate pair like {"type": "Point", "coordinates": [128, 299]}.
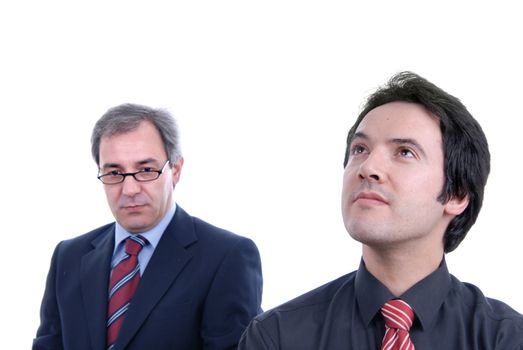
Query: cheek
{"type": "Point", "coordinates": [433, 186]}
{"type": "Point", "coordinates": [112, 195]}
{"type": "Point", "coordinates": [166, 188]}
{"type": "Point", "coordinates": [160, 193]}
{"type": "Point", "coordinates": [113, 198]}
{"type": "Point", "coordinates": [350, 176]}
{"type": "Point", "coordinates": [348, 186]}
{"type": "Point", "coordinates": [422, 193]}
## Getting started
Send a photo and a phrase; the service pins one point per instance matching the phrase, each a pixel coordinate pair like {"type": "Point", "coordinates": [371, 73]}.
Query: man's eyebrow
{"type": "Point", "coordinates": [360, 135]}
{"type": "Point", "coordinates": [138, 163]}
{"type": "Point", "coordinates": [146, 161]}
{"type": "Point", "coordinates": [397, 141]}
{"type": "Point", "coordinates": [408, 141]}
{"type": "Point", "coordinates": [109, 165]}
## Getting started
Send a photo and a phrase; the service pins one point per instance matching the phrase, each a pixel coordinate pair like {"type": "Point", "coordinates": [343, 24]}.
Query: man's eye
{"type": "Point", "coordinates": [405, 152]}
{"type": "Point", "coordinates": [147, 170]}
{"type": "Point", "coordinates": [358, 149]}
{"type": "Point", "coordinates": [114, 173]}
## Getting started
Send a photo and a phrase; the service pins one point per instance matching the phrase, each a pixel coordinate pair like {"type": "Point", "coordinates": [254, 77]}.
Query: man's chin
{"type": "Point", "coordinates": [135, 226]}
{"type": "Point", "coordinates": [366, 234]}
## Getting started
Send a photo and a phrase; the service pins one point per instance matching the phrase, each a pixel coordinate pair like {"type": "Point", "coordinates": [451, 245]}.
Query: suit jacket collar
{"type": "Point", "coordinates": [167, 261]}
{"type": "Point", "coordinates": [94, 275]}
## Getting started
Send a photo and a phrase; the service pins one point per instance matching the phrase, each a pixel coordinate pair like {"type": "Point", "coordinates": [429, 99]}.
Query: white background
{"type": "Point", "coordinates": [264, 93]}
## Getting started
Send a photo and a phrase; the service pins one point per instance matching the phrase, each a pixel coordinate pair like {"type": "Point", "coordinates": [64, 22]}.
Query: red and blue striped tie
{"type": "Point", "coordinates": [125, 277]}
{"type": "Point", "coordinates": [398, 317]}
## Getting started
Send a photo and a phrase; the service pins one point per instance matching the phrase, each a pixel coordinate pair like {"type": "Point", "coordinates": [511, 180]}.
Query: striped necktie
{"type": "Point", "coordinates": [398, 317]}
{"type": "Point", "coordinates": [125, 277]}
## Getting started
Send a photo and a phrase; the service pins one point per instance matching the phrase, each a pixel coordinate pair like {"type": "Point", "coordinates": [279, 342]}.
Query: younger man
{"type": "Point", "coordinates": [416, 165]}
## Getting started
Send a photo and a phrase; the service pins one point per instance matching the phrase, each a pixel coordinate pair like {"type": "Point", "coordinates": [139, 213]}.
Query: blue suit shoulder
{"type": "Point", "coordinates": [79, 245]}
{"type": "Point", "coordinates": [87, 238]}
{"type": "Point", "coordinates": [198, 235]}
{"type": "Point", "coordinates": [215, 235]}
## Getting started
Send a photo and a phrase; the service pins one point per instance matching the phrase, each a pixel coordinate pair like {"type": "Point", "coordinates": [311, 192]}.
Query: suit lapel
{"type": "Point", "coordinates": [94, 280]}
{"type": "Point", "coordinates": [168, 260]}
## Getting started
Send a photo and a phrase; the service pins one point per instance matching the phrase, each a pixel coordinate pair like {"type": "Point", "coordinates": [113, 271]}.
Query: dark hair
{"type": "Point", "coordinates": [127, 117]}
{"type": "Point", "coordinates": [465, 147]}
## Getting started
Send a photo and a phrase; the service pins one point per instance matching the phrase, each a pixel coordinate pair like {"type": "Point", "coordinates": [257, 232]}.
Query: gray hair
{"type": "Point", "coordinates": [126, 117]}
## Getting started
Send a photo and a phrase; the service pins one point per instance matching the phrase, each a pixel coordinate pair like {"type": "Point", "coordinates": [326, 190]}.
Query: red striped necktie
{"type": "Point", "coordinates": [398, 317]}
{"type": "Point", "coordinates": [125, 277]}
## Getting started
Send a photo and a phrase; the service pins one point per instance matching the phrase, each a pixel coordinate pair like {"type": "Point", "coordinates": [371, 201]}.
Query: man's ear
{"type": "Point", "coordinates": [177, 170]}
{"type": "Point", "coordinates": [456, 206]}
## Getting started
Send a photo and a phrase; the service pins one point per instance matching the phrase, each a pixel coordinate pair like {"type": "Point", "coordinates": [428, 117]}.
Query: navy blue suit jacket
{"type": "Point", "coordinates": [200, 289]}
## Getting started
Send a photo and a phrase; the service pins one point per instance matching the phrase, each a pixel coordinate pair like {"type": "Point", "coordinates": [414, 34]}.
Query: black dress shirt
{"type": "Point", "coordinates": [344, 314]}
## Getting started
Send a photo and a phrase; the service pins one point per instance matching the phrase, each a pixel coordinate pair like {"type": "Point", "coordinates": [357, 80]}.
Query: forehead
{"type": "Point", "coordinates": [401, 120]}
{"type": "Point", "coordinates": [143, 142]}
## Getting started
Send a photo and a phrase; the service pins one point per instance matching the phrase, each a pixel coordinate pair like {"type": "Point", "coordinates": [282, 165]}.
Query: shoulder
{"type": "Point", "coordinates": [314, 303]}
{"type": "Point", "coordinates": [298, 324]}
{"type": "Point", "coordinates": [207, 230]}
{"type": "Point", "coordinates": [70, 252]}
{"type": "Point", "coordinates": [493, 309]}
{"type": "Point", "coordinates": [86, 240]}
{"type": "Point", "coordinates": [496, 317]}
{"type": "Point", "coordinates": [208, 233]}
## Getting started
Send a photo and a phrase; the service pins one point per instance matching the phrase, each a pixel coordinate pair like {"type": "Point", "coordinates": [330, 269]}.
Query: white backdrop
{"type": "Point", "coordinates": [264, 93]}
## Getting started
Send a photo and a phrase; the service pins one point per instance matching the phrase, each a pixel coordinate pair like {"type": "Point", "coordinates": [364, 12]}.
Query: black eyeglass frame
{"type": "Point", "coordinates": [124, 175]}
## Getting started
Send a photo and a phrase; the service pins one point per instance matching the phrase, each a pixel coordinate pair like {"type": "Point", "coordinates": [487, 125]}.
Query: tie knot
{"type": "Point", "coordinates": [397, 314]}
{"type": "Point", "coordinates": [133, 244]}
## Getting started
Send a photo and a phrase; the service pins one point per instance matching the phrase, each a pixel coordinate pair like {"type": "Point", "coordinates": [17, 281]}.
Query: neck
{"type": "Point", "coordinates": [400, 268]}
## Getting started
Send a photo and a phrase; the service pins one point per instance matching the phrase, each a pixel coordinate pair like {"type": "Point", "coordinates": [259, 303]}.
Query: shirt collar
{"type": "Point", "coordinates": [153, 235]}
{"type": "Point", "coordinates": [425, 297]}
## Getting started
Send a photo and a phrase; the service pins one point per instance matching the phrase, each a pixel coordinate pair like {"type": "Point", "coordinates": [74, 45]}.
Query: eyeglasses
{"type": "Point", "coordinates": [148, 174]}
